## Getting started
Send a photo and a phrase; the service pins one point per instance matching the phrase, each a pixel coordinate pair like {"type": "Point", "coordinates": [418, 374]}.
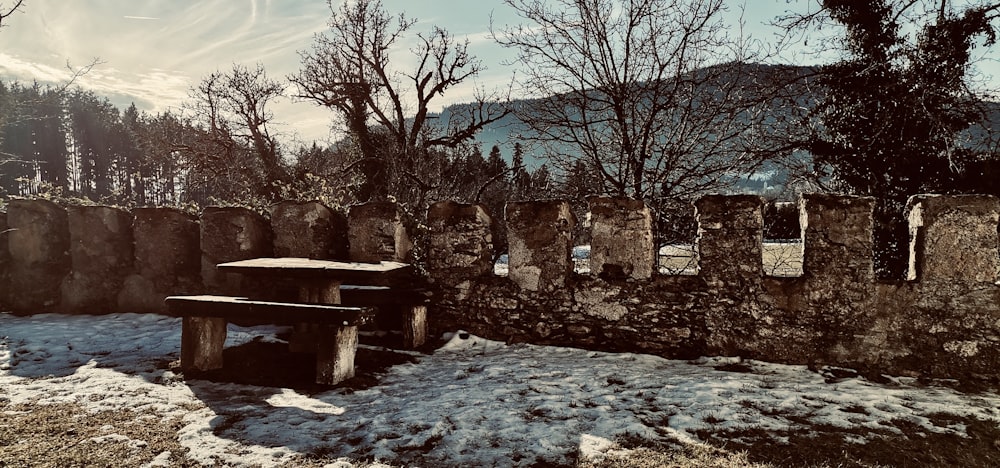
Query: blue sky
{"type": "Point", "coordinates": [154, 51]}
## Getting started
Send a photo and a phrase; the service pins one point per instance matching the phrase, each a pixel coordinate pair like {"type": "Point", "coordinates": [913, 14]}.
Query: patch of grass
{"type": "Point", "coordinates": [738, 367]}
{"type": "Point", "coordinates": [825, 445]}
{"type": "Point", "coordinates": [857, 409]}
{"type": "Point", "coordinates": [63, 435]}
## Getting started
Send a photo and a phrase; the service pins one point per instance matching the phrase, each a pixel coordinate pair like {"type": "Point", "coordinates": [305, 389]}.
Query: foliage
{"type": "Point", "coordinates": [232, 116]}
{"type": "Point", "coordinates": [897, 108]}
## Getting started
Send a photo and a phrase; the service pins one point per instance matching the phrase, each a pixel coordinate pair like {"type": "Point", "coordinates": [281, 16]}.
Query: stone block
{"type": "Point", "coordinates": [837, 237]}
{"type": "Point", "coordinates": [540, 236]}
{"type": "Point", "coordinates": [167, 259]}
{"type": "Point", "coordinates": [38, 244]}
{"type": "Point", "coordinates": [229, 234]}
{"type": "Point", "coordinates": [622, 243]}
{"type": "Point", "coordinates": [730, 239]}
{"type": "Point", "coordinates": [953, 238]}
{"type": "Point", "coordinates": [460, 242]}
{"type": "Point", "coordinates": [377, 231]}
{"type": "Point", "coordinates": [101, 249]}
{"type": "Point", "coordinates": [310, 230]}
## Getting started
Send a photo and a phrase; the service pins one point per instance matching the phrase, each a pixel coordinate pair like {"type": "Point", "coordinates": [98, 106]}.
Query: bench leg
{"type": "Point", "coordinates": [415, 327]}
{"type": "Point", "coordinates": [202, 340]}
{"type": "Point", "coordinates": [335, 356]}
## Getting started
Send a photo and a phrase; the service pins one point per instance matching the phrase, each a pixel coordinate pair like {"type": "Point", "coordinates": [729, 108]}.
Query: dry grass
{"type": "Point", "coordinates": [66, 435]}
{"type": "Point", "coordinates": [688, 456]}
{"type": "Point", "coordinates": [900, 444]}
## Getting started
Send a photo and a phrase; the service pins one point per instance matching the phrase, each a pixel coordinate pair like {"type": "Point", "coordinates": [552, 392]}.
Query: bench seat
{"type": "Point", "coordinates": [203, 332]}
{"type": "Point", "coordinates": [279, 313]}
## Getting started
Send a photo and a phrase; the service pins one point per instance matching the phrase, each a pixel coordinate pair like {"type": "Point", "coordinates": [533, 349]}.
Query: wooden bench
{"type": "Point", "coordinates": [203, 333]}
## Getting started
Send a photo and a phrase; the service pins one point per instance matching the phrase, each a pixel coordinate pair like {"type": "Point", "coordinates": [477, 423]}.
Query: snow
{"type": "Point", "coordinates": [472, 402]}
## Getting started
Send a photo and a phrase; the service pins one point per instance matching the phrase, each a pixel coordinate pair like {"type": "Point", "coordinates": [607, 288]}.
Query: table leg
{"type": "Point", "coordinates": [335, 354]}
{"type": "Point", "coordinates": [306, 336]}
{"type": "Point", "coordinates": [202, 340]}
{"type": "Point", "coordinates": [414, 327]}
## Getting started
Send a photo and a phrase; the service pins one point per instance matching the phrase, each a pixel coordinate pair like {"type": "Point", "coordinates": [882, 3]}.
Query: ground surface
{"type": "Point", "coordinates": [84, 391]}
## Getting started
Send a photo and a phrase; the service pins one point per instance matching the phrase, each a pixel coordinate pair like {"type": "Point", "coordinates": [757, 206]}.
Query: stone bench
{"type": "Point", "coordinates": [203, 333]}
{"type": "Point", "coordinates": [410, 304]}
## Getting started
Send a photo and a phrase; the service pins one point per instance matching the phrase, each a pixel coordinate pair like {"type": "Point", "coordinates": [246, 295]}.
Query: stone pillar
{"type": "Point", "coordinates": [38, 243]}
{"type": "Point", "coordinates": [227, 235]}
{"type": "Point", "coordinates": [102, 256]}
{"type": "Point", "coordinates": [837, 238]}
{"type": "Point", "coordinates": [621, 238]}
{"type": "Point", "coordinates": [953, 238]}
{"type": "Point", "coordinates": [167, 260]}
{"type": "Point", "coordinates": [730, 239]}
{"type": "Point", "coordinates": [309, 230]}
{"type": "Point", "coordinates": [461, 242]}
{"type": "Point", "coordinates": [540, 236]}
{"type": "Point", "coordinates": [377, 232]}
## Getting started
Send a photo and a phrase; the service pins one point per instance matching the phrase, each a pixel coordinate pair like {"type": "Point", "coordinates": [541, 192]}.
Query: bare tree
{"type": "Point", "coordinates": [232, 110]}
{"type": "Point", "coordinates": [353, 70]}
{"type": "Point", "coordinates": [6, 11]}
{"type": "Point", "coordinates": [656, 95]}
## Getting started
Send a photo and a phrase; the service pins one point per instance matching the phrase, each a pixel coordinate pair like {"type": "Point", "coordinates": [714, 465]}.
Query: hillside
{"type": "Point", "coordinates": [789, 82]}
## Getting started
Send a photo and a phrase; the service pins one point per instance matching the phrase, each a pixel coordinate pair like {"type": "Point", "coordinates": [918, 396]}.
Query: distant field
{"type": "Point", "coordinates": [779, 259]}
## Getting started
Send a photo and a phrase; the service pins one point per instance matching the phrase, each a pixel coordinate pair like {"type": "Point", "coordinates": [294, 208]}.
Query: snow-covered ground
{"type": "Point", "coordinates": [473, 402]}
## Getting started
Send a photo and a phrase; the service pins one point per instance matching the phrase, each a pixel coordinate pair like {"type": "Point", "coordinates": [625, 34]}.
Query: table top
{"type": "Point", "coordinates": [306, 267]}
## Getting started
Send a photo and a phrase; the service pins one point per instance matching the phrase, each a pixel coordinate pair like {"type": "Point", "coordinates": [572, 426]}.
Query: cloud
{"type": "Point", "coordinates": [24, 70]}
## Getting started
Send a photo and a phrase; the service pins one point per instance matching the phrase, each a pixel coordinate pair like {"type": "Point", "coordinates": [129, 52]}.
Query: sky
{"type": "Point", "coordinates": [471, 402]}
{"type": "Point", "coordinates": [152, 52]}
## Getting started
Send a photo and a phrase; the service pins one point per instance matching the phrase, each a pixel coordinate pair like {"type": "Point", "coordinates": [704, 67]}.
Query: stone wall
{"type": "Point", "coordinates": [943, 322]}
{"type": "Point", "coordinates": [98, 259]}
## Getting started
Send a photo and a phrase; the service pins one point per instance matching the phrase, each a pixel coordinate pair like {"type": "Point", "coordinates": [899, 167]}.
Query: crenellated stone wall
{"type": "Point", "coordinates": [943, 322]}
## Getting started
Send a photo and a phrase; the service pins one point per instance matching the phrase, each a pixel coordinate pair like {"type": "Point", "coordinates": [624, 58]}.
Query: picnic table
{"type": "Point", "coordinates": [322, 323]}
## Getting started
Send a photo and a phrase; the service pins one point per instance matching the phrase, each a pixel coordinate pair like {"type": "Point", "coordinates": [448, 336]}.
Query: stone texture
{"type": "Point", "coordinates": [837, 235]}
{"type": "Point", "coordinates": [230, 234]}
{"type": "Point", "coordinates": [101, 248]}
{"type": "Point", "coordinates": [953, 238]}
{"type": "Point", "coordinates": [202, 341]}
{"type": "Point", "coordinates": [167, 259]}
{"type": "Point", "coordinates": [377, 231]}
{"type": "Point", "coordinates": [621, 242]}
{"type": "Point", "coordinates": [540, 237]}
{"type": "Point", "coordinates": [729, 243]}
{"type": "Point", "coordinates": [310, 230]}
{"type": "Point", "coordinates": [38, 243]}
{"type": "Point", "coordinates": [460, 244]}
